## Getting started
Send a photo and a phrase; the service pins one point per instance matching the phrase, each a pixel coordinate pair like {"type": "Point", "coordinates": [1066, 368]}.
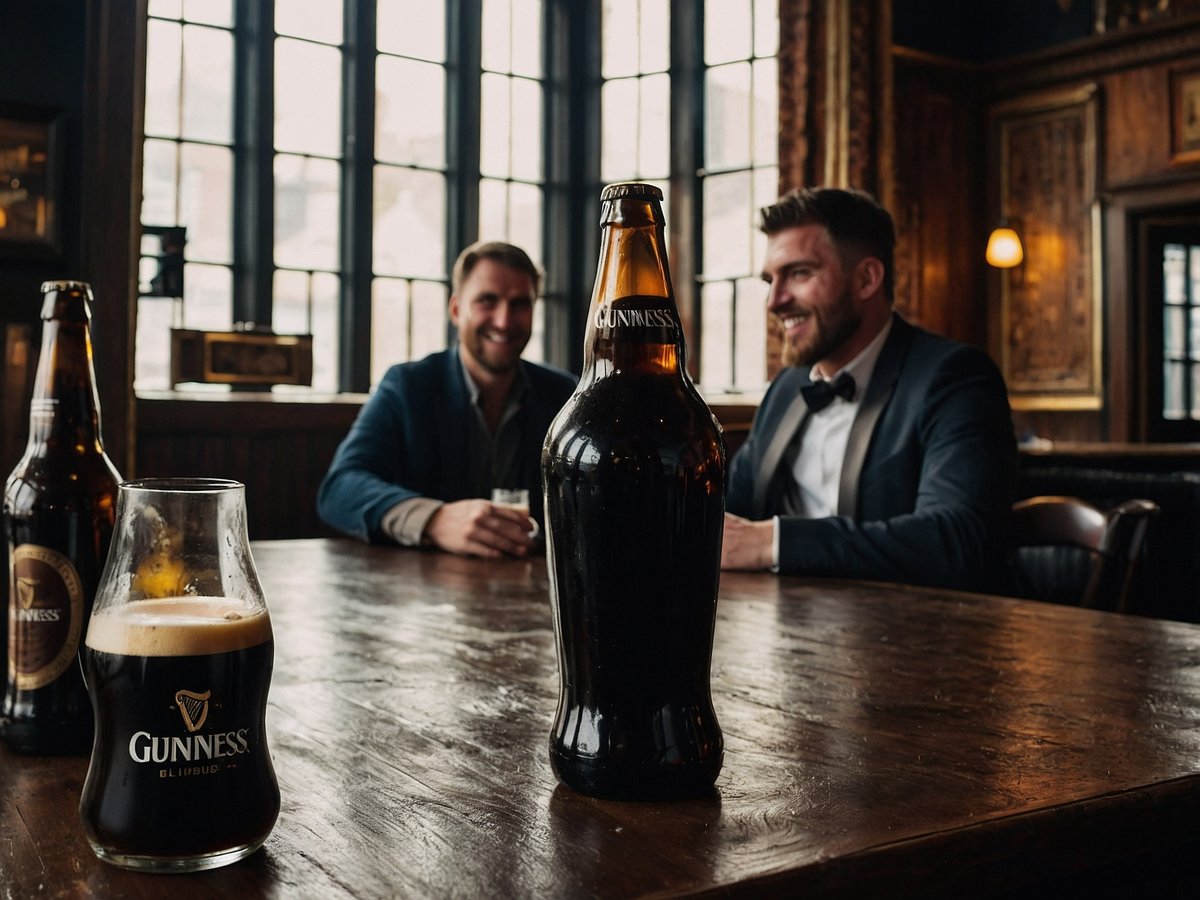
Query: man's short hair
{"type": "Point", "coordinates": [857, 224]}
{"type": "Point", "coordinates": [506, 254]}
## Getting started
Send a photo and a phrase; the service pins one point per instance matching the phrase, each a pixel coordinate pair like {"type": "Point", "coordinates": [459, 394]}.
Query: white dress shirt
{"type": "Point", "coordinates": [825, 434]}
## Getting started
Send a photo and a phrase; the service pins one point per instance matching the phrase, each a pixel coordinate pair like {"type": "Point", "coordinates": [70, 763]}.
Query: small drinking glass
{"type": "Point", "coordinates": [518, 499]}
{"type": "Point", "coordinates": [177, 660]}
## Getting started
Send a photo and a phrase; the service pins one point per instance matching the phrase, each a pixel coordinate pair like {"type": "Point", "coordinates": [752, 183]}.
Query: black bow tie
{"type": "Point", "coordinates": [820, 394]}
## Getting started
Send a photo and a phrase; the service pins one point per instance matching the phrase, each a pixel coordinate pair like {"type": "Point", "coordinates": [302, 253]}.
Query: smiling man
{"type": "Point", "coordinates": [881, 451]}
{"type": "Point", "coordinates": [420, 462]}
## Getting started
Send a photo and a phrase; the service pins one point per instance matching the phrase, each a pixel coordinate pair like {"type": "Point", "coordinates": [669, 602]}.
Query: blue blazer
{"type": "Point", "coordinates": [928, 480]}
{"type": "Point", "coordinates": [410, 440]}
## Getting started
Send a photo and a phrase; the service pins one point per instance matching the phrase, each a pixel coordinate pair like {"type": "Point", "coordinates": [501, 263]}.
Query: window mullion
{"type": "Point", "coordinates": [572, 154]}
{"type": "Point", "coordinates": [464, 42]}
{"type": "Point", "coordinates": [253, 180]}
{"type": "Point", "coordinates": [357, 195]}
{"type": "Point", "coordinates": [687, 159]}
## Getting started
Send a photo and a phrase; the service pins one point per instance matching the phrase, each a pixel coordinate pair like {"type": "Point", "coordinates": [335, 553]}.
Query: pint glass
{"type": "Point", "coordinates": [177, 661]}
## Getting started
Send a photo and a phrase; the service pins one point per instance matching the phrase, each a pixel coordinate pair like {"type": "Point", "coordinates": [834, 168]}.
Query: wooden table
{"type": "Point", "coordinates": [880, 741]}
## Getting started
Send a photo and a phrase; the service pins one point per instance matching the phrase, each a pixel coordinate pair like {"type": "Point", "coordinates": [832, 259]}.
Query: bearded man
{"type": "Point", "coordinates": [437, 435]}
{"type": "Point", "coordinates": [881, 451]}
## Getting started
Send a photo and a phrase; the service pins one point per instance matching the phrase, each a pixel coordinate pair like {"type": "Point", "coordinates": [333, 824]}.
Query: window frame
{"type": "Point", "coordinates": [1157, 232]}
{"type": "Point", "coordinates": [570, 184]}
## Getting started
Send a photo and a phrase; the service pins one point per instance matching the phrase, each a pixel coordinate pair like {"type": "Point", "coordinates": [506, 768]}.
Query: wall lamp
{"type": "Point", "coordinates": [1004, 247]}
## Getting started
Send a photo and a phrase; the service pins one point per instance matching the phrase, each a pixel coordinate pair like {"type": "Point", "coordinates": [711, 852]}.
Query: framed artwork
{"type": "Point", "coordinates": [240, 358]}
{"type": "Point", "coordinates": [30, 201]}
{"type": "Point", "coordinates": [1051, 338]}
{"type": "Point", "coordinates": [1185, 116]}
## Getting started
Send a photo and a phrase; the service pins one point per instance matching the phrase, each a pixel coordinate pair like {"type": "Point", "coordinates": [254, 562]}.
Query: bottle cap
{"type": "Point", "coordinates": [631, 190]}
{"type": "Point", "coordinates": [65, 285]}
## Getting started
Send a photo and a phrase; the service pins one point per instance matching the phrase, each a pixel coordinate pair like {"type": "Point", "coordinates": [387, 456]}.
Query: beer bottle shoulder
{"type": "Point", "coordinates": [60, 482]}
{"type": "Point", "coordinates": [629, 409]}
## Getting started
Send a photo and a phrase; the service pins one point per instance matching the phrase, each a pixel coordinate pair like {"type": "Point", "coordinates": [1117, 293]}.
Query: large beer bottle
{"type": "Point", "coordinates": [59, 509]}
{"type": "Point", "coordinates": [634, 476]}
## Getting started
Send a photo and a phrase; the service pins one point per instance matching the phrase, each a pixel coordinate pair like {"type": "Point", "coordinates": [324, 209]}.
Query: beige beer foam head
{"type": "Point", "coordinates": [178, 626]}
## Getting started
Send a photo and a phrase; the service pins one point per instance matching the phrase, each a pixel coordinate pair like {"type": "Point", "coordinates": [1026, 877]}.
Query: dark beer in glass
{"type": "Point", "coordinates": [178, 659]}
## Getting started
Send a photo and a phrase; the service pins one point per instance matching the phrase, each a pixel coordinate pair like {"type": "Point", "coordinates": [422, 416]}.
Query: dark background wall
{"type": "Point", "coordinates": [42, 58]}
{"type": "Point", "coordinates": [79, 60]}
{"type": "Point", "coordinates": [976, 31]}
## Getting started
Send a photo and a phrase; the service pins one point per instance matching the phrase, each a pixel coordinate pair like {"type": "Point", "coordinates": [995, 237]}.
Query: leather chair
{"type": "Point", "coordinates": [1067, 551]}
{"type": "Point", "coordinates": [1168, 586]}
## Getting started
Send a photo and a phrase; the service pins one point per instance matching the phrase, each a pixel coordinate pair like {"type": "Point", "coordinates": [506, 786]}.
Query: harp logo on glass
{"type": "Point", "coordinates": [193, 708]}
{"type": "Point", "coordinates": [193, 748]}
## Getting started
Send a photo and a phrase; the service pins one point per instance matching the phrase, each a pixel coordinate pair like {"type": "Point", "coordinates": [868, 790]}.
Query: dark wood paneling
{"type": "Point", "coordinates": [1137, 127]}
{"type": "Point", "coordinates": [1050, 340]}
{"type": "Point", "coordinates": [1131, 69]}
{"type": "Point", "coordinates": [937, 200]}
{"type": "Point", "coordinates": [111, 203]}
{"type": "Point", "coordinates": [280, 449]}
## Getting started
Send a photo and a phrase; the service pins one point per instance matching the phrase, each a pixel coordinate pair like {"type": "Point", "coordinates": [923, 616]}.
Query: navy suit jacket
{"type": "Point", "coordinates": [928, 480]}
{"type": "Point", "coordinates": [410, 440]}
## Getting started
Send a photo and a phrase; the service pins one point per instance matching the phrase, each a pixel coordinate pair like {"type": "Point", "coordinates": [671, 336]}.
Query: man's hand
{"type": "Point", "coordinates": [747, 545]}
{"type": "Point", "coordinates": [477, 528]}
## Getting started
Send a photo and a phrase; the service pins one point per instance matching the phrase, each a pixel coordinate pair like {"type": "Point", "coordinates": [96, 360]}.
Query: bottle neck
{"type": "Point", "coordinates": [65, 405]}
{"type": "Point", "coordinates": [633, 321]}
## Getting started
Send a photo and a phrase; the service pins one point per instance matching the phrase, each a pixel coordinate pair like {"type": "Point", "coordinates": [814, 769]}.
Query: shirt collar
{"type": "Point", "coordinates": [863, 365]}
{"type": "Point", "coordinates": [519, 386]}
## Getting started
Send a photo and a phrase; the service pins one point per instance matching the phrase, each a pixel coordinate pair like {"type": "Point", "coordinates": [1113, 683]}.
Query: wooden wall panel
{"type": "Point", "coordinates": [937, 200]}
{"type": "Point", "coordinates": [279, 449]}
{"type": "Point", "coordinates": [1050, 311]}
{"type": "Point", "coordinates": [1137, 126]}
{"type": "Point", "coordinates": [1131, 69]}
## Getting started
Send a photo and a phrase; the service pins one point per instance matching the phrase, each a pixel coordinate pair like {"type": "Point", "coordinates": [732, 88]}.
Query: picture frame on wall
{"type": "Point", "coordinates": [1051, 336]}
{"type": "Point", "coordinates": [240, 358]}
{"type": "Point", "coordinates": [30, 182]}
{"type": "Point", "coordinates": [1185, 116]}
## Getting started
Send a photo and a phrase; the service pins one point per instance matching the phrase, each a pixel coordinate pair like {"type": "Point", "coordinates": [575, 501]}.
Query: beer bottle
{"type": "Point", "coordinates": [59, 509]}
{"type": "Point", "coordinates": [634, 475]}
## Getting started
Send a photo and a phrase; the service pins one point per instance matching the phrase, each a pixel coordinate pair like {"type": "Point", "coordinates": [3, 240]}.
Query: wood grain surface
{"type": "Point", "coordinates": [880, 741]}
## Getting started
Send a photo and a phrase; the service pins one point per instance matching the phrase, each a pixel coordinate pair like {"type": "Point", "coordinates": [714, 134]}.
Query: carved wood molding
{"type": "Point", "coordinates": [1129, 48]}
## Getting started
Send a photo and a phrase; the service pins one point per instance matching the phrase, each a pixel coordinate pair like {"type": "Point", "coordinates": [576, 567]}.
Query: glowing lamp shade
{"type": "Point", "coordinates": [1004, 248]}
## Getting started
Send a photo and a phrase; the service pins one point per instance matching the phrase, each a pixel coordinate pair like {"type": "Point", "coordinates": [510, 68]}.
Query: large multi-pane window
{"type": "Point", "coordinates": [409, 253]}
{"type": "Point", "coordinates": [740, 175]}
{"type": "Point", "coordinates": [635, 93]}
{"type": "Point", "coordinates": [188, 169]}
{"type": "Point", "coordinates": [329, 159]}
{"type": "Point", "coordinates": [511, 133]}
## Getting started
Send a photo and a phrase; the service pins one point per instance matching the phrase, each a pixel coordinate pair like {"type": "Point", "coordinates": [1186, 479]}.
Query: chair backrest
{"type": "Point", "coordinates": [1067, 551]}
{"type": "Point", "coordinates": [1168, 581]}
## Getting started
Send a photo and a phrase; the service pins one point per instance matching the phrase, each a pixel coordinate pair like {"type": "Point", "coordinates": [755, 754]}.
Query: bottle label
{"type": "Point", "coordinates": [45, 616]}
{"type": "Point", "coordinates": [645, 320]}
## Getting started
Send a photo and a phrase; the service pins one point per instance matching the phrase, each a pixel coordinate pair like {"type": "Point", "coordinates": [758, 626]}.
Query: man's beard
{"type": "Point", "coordinates": [829, 332]}
{"type": "Point", "coordinates": [502, 363]}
